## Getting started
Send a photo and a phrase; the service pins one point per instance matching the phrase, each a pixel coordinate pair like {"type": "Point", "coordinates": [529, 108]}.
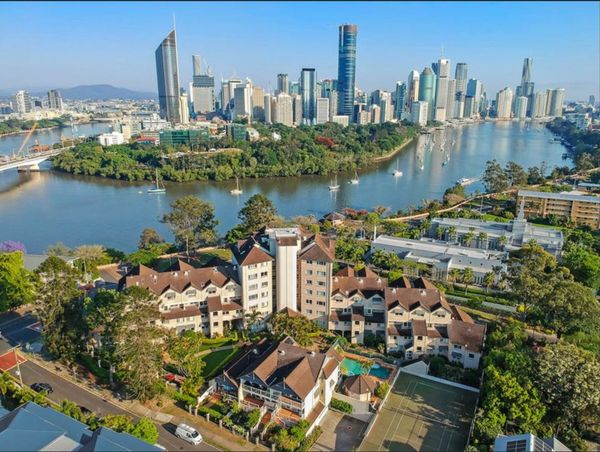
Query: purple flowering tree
{"type": "Point", "coordinates": [8, 246]}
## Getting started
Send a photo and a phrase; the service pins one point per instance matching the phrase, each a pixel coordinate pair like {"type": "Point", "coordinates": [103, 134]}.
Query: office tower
{"type": "Point", "coordinates": [283, 109]}
{"type": "Point", "coordinates": [385, 103]}
{"type": "Point", "coordinates": [412, 89]}
{"type": "Point", "coordinates": [400, 100]}
{"type": "Point", "coordinates": [363, 117]}
{"type": "Point", "coordinates": [435, 67]}
{"type": "Point", "coordinates": [418, 113]}
{"type": "Point", "coordinates": [22, 102]}
{"type": "Point", "coordinates": [441, 94]}
{"type": "Point", "coordinates": [55, 101]}
{"type": "Point", "coordinates": [426, 90]}
{"type": "Point", "coordinates": [504, 103]}
{"type": "Point", "coordinates": [322, 110]}
{"type": "Point", "coordinates": [167, 74]}
{"type": "Point", "coordinates": [184, 110]}
{"type": "Point", "coordinates": [283, 85]}
{"type": "Point", "coordinates": [375, 97]}
{"type": "Point", "coordinates": [327, 86]}
{"type": "Point", "coordinates": [203, 88]}
{"type": "Point", "coordinates": [227, 95]}
{"type": "Point", "coordinates": [520, 110]}
{"type": "Point", "coordinates": [297, 109]}
{"type": "Point", "coordinates": [469, 110]}
{"type": "Point", "coordinates": [592, 100]}
{"type": "Point", "coordinates": [459, 106]}
{"type": "Point", "coordinates": [308, 91]}
{"type": "Point", "coordinates": [268, 103]}
{"type": "Point", "coordinates": [346, 69]}
{"type": "Point", "coordinates": [258, 103]}
{"type": "Point", "coordinates": [526, 74]}
{"type": "Point", "coordinates": [474, 90]}
{"type": "Point", "coordinates": [555, 102]}
{"type": "Point", "coordinates": [333, 103]}
{"type": "Point", "coordinates": [538, 109]}
{"type": "Point", "coordinates": [375, 111]}
{"type": "Point", "coordinates": [294, 88]}
{"type": "Point", "coordinates": [460, 74]}
{"type": "Point", "coordinates": [242, 101]}
{"type": "Point", "coordinates": [451, 99]}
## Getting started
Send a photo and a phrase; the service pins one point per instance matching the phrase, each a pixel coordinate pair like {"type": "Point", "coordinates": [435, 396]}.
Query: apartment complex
{"type": "Point", "coordinates": [282, 376]}
{"type": "Point", "coordinates": [580, 208]}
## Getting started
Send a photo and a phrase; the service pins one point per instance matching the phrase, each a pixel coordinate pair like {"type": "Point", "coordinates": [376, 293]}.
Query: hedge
{"type": "Point", "coordinates": [311, 439]}
{"type": "Point", "coordinates": [340, 405]}
{"type": "Point", "coordinates": [214, 414]}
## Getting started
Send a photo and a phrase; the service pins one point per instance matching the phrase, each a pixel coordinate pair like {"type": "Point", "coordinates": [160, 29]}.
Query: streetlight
{"type": "Point", "coordinates": [18, 372]}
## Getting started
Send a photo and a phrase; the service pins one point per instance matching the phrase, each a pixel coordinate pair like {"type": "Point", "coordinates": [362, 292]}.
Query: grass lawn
{"type": "Point", "coordinates": [222, 253]}
{"type": "Point", "coordinates": [215, 361]}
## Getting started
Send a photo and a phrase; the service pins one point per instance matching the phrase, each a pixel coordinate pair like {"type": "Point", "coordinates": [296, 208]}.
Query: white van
{"type": "Point", "coordinates": [189, 434]}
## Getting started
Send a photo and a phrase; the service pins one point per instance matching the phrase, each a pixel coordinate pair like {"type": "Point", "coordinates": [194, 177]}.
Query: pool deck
{"type": "Point", "coordinates": [393, 369]}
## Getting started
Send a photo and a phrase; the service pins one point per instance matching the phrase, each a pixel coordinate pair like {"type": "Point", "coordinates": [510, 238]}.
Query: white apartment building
{"type": "Point", "coordinates": [504, 103]}
{"type": "Point", "coordinates": [112, 138]}
{"type": "Point", "coordinates": [322, 110]}
{"type": "Point", "coordinates": [344, 120]}
{"type": "Point", "coordinates": [419, 112]}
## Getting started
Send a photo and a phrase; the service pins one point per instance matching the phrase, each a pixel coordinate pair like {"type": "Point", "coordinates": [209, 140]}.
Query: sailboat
{"type": "Point", "coordinates": [397, 172]}
{"type": "Point", "coordinates": [158, 189]}
{"type": "Point", "coordinates": [355, 180]}
{"type": "Point", "coordinates": [334, 185]}
{"type": "Point", "coordinates": [237, 190]}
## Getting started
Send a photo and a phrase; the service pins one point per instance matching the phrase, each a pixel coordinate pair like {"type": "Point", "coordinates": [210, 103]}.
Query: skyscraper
{"type": "Point", "coordinates": [22, 102]}
{"type": "Point", "coordinates": [283, 85]}
{"type": "Point", "coordinates": [322, 110]}
{"type": "Point", "coordinates": [385, 103]}
{"type": "Point", "coordinates": [504, 103]}
{"type": "Point", "coordinates": [412, 94]}
{"type": "Point", "coordinates": [441, 94]}
{"type": "Point", "coordinates": [242, 101]}
{"type": "Point", "coordinates": [426, 93]}
{"type": "Point", "coordinates": [55, 101]}
{"type": "Point", "coordinates": [268, 102]}
{"type": "Point", "coordinates": [283, 109]}
{"type": "Point", "coordinates": [400, 101]}
{"type": "Point", "coordinates": [556, 102]}
{"type": "Point", "coordinates": [308, 91]}
{"type": "Point", "coordinates": [227, 95]}
{"type": "Point", "coordinates": [203, 88]}
{"type": "Point", "coordinates": [167, 74]}
{"type": "Point", "coordinates": [538, 109]}
{"type": "Point", "coordinates": [475, 91]}
{"type": "Point", "coordinates": [346, 69]}
{"type": "Point", "coordinates": [297, 109]}
{"type": "Point", "coordinates": [460, 74]}
{"type": "Point", "coordinates": [451, 99]}
{"type": "Point", "coordinates": [520, 107]}
{"type": "Point", "coordinates": [419, 112]}
{"type": "Point", "coordinates": [526, 74]}
{"type": "Point", "coordinates": [258, 103]}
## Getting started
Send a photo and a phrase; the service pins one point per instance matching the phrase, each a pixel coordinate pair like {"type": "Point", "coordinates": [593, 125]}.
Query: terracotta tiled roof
{"type": "Point", "coordinates": [364, 272]}
{"type": "Point", "coordinates": [290, 312]}
{"type": "Point", "coordinates": [215, 304]}
{"type": "Point", "coordinates": [360, 384]}
{"type": "Point", "coordinates": [470, 335]}
{"type": "Point", "coordinates": [419, 328]}
{"type": "Point", "coordinates": [422, 283]}
{"type": "Point", "coordinates": [318, 248]}
{"type": "Point", "coordinates": [459, 314]}
{"type": "Point", "coordinates": [178, 280]}
{"type": "Point", "coordinates": [287, 241]}
{"type": "Point", "coordinates": [398, 330]}
{"type": "Point", "coordinates": [249, 252]}
{"type": "Point", "coordinates": [181, 313]}
{"type": "Point", "coordinates": [437, 332]}
{"type": "Point", "coordinates": [366, 286]}
{"type": "Point", "coordinates": [410, 299]}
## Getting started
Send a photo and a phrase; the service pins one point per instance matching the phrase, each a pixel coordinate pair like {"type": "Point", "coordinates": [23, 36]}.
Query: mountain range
{"type": "Point", "coordinates": [95, 92]}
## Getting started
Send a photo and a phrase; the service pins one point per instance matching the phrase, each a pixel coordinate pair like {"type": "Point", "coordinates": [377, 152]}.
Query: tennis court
{"type": "Point", "coordinates": [420, 414]}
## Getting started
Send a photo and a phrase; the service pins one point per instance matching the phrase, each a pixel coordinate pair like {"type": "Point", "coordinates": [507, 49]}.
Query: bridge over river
{"type": "Point", "coordinates": [29, 161]}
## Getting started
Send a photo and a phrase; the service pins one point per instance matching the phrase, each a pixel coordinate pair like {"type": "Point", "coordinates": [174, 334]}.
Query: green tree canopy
{"type": "Point", "coordinates": [257, 212]}
{"type": "Point", "coordinates": [17, 284]}
{"type": "Point", "coordinates": [193, 222]}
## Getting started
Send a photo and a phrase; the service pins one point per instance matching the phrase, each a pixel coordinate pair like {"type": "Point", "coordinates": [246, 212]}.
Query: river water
{"type": "Point", "coordinates": [43, 208]}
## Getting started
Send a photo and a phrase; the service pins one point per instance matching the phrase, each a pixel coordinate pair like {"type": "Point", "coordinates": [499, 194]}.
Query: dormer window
{"type": "Point", "coordinates": [212, 290]}
{"type": "Point", "coordinates": [191, 292]}
{"type": "Point", "coordinates": [170, 296]}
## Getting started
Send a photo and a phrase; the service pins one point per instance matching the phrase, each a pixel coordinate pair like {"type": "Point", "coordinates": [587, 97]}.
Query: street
{"type": "Point", "coordinates": [14, 329]}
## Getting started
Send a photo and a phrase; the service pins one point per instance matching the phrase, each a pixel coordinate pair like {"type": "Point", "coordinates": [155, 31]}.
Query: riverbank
{"type": "Point", "coordinates": [383, 158]}
{"type": "Point", "coordinates": [42, 129]}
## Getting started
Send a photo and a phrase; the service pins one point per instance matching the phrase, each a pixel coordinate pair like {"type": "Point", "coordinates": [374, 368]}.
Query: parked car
{"type": "Point", "coordinates": [42, 387]}
{"type": "Point", "coordinates": [189, 434]}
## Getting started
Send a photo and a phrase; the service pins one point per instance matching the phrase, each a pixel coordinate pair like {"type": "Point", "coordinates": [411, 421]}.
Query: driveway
{"type": "Point", "coordinates": [340, 432]}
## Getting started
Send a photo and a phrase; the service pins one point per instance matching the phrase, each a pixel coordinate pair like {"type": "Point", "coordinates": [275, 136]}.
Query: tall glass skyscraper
{"type": "Point", "coordinates": [308, 91]}
{"type": "Point", "coordinates": [167, 75]}
{"type": "Point", "coordinates": [461, 78]}
{"type": "Point", "coordinates": [346, 69]}
{"type": "Point", "coordinates": [427, 90]}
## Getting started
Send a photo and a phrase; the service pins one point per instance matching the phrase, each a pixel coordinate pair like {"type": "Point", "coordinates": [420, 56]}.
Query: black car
{"type": "Point", "coordinates": [42, 387]}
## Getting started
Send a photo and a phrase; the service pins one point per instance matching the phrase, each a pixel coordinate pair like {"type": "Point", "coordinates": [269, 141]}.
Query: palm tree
{"type": "Point", "coordinates": [454, 275]}
{"type": "Point", "coordinates": [452, 233]}
{"type": "Point", "coordinates": [468, 238]}
{"type": "Point", "coordinates": [440, 232]}
{"type": "Point", "coordinates": [253, 318]}
{"type": "Point", "coordinates": [467, 277]}
{"type": "Point", "coordinates": [489, 280]}
{"type": "Point", "coordinates": [502, 241]}
{"type": "Point", "coordinates": [88, 254]}
{"type": "Point", "coordinates": [482, 238]}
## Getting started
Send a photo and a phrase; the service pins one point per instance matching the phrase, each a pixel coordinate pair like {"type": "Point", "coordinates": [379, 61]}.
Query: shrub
{"type": "Point", "coordinates": [340, 405]}
{"type": "Point", "coordinates": [252, 418]}
{"type": "Point", "coordinates": [184, 398]}
{"type": "Point", "coordinates": [382, 390]}
{"type": "Point", "coordinates": [214, 414]}
{"type": "Point", "coordinates": [311, 439]}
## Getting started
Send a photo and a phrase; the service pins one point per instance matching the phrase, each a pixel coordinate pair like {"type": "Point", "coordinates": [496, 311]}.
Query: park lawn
{"type": "Point", "coordinates": [215, 361]}
{"type": "Point", "coordinates": [221, 253]}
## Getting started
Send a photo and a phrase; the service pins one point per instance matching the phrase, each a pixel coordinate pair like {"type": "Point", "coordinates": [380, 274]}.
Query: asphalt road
{"type": "Point", "coordinates": [17, 328]}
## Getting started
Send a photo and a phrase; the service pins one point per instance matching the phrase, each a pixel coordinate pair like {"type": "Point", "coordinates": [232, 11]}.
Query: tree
{"type": "Point", "coordinates": [193, 222]}
{"type": "Point", "coordinates": [253, 318]}
{"type": "Point", "coordinates": [140, 344]}
{"type": "Point", "coordinates": [494, 177]}
{"type": "Point", "coordinates": [482, 238]}
{"type": "Point", "coordinates": [569, 379]}
{"type": "Point", "coordinates": [145, 430]}
{"type": "Point", "coordinates": [489, 280]}
{"type": "Point", "coordinates": [90, 256]}
{"type": "Point", "coordinates": [452, 233]}
{"type": "Point", "coordinates": [149, 237]}
{"type": "Point", "coordinates": [299, 328]}
{"type": "Point", "coordinates": [467, 277]}
{"type": "Point", "coordinates": [454, 275]}
{"type": "Point", "coordinates": [468, 238]}
{"type": "Point", "coordinates": [584, 265]}
{"type": "Point", "coordinates": [60, 310]}
{"type": "Point", "coordinates": [17, 284]}
{"type": "Point", "coordinates": [382, 389]}
{"type": "Point", "coordinates": [534, 176]}
{"type": "Point", "coordinates": [184, 351]}
{"type": "Point", "coordinates": [59, 249]}
{"type": "Point", "coordinates": [516, 174]}
{"type": "Point", "coordinates": [257, 212]}
{"type": "Point", "coordinates": [9, 246]}
{"type": "Point", "coordinates": [502, 241]}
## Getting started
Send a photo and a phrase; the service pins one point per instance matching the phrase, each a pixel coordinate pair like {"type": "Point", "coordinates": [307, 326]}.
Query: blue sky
{"type": "Point", "coordinates": [57, 44]}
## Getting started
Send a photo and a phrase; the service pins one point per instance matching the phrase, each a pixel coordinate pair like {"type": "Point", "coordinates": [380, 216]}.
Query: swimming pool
{"type": "Point", "coordinates": [352, 367]}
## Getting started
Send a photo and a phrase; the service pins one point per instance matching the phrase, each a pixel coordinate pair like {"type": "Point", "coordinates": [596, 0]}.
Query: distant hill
{"type": "Point", "coordinates": [102, 92]}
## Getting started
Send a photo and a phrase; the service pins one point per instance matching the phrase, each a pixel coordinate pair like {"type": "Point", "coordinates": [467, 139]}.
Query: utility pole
{"type": "Point", "coordinates": [18, 366]}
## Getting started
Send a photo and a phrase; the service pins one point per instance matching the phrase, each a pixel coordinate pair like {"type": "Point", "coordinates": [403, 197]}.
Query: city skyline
{"type": "Point", "coordinates": [548, 70]}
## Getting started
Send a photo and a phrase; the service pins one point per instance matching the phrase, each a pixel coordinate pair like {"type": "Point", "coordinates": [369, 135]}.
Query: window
{"type": "Point", "coordinates": [321, 303]}
{"type": "Point", "coordinates": [320, 293]}
{"type": "Point", "coordinates": [419, 338]}
{"type": "Point", "coordinates": [253, 297]}
{"type": "Point", "coordinates": [253, 287]}
{"type": "Point", "coordinates": [252, 266]}
{"type": "Point", "coordinates": [471, 355]}
{"type": "Point", "coordinates": [212, 290]}
{"type": "Point", "coordinates": [457, 346]}
{"type": "Point", "coordinates": [339, 300]}
{"type": "Point", "coordinates": [252, 277]}
{"type": "Point", "coordinates": [263, 274]}
{"type": "Point", "coordinates": [264, 294]}
{"type": "Point", "coordinates": [308, 292]}
{"type": "Point", "coordinates": [309, 281]}
{"type": "Point", "coordinates": [264, 284]}
{"type": "Point", "coordinates": [356, 333]}
{"type": "Point", "coordinates": [215, 323]}
{"type": "Point", "coordinates": [309, 311]}
{"type": "Point", "coordinates": [419, 349]}
{"type": "Point", "coordinates": [321, 283]}
{"type": "Point", "coordinates": [309, 272]}
{"type": "Point", "coordinates": [356, 322]}
{"type": "Point", "coordinates": [191, 293]}
{"type": "Point", "coordinates": [308, 301]}
{"type": "Point", "coordinates": [320, 273]}
{"type": "Point", "coordinates": [170, 296]}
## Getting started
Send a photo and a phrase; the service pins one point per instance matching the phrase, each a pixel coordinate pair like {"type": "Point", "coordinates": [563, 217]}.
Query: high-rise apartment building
{"type": "Point", "coordinates": [412, 88]}
{"type": "Point", "coordinates": [400, 100]}
{"type": "Point", "coordinates": [283, 110]}
{"type": "Point", "coordinates": [426, 90]}
{"type": "Point", "coordinates": [297, 109]}
{"type": "Point", "coordinates": [242, 101]}
{"type": "Point", "coordinates": [460, 74]}
{"type": "Point", "coordinates": [283, 84]}
{"type": "Point", "coordinates": [441, 94]}
{"type": "Point", "coordinates": [322, 110]}
{"type": "Point", "coordinates": [385, 103]}
{"type": "Point", "coordinates": [167, 74]}
{"type": "Point", "coordinates": [520, 110]}
{"type": "Point", "coordinates": [22, 102]}
{"type": "Point", "coordinates": [227, 95]}
{"type": "Point", "coordinates": [333, 103]}
{"type": "Point", "coordinates": [459, 106]}
{"type": "Point", "coordinates": [375, 113]}
{"type": "Point", "coordinates": [504, 103]}
{"type": "Point", "coordinates": [202, 94]}
{"type": "Point", "coordinates": [55, 101]}
{"type": "Point", "coordinates": [538, 109]}
{"type": "Point", "coordinates": [268, 103]}
{"type": "Point", "coordinates": [555, 102]}
{"type": "Point", "coordinates": [418, 112]}
{"type": "Point", "coordinates": [451, 99]}
{"type": "Point", "coordinates": [258, 103]}
{"type": "Point", "coordinates": [184, 108]}
{"type": "Point", "coordinates": [346, 69]}
{"type": "Point", "coordinates": [308, 91]}
{"type": "Point", "coordinates": [475, 91]}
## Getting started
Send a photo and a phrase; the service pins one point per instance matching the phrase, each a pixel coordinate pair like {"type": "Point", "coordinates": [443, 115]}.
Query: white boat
{"type": "Point", "coordinates": [158, 189]}
{"type": "Point", "coordinates": [355, 180]}
{"type": "Point", "coordinates": [421, 167]}
{"type": "Point", "coordinates": [397, 172]}
{"type": "Point", "coordinates": [237, 190]}
{"type": "Point", "coordinates": [334, 185]}
{"type": "Point", "coordinates": [467, 181]}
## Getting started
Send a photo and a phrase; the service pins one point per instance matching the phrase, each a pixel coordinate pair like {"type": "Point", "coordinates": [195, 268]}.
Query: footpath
{"type": "Point", "coordinates": [213, 435]}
